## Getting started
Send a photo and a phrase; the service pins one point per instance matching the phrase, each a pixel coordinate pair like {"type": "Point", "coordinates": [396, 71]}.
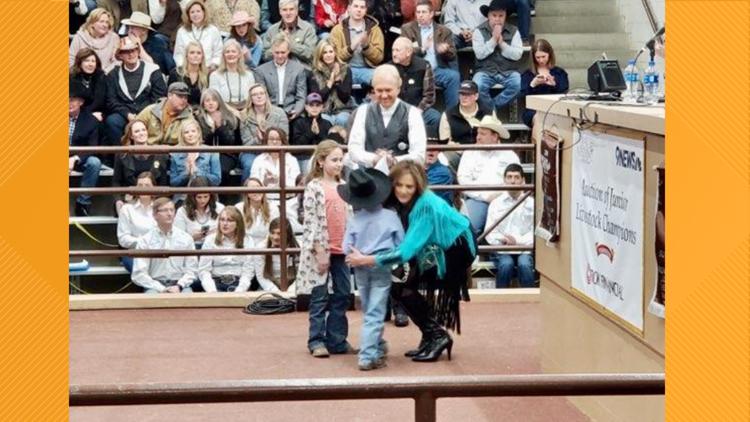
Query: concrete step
{"type": "Point", "coordinates": [575, 8]}
{"type": "Point", "coordinates": [573, 58]}
{"type": "Point", "coordinates": [575, 41]}
{"type": "Point", "coordinates": [577, 79]}
{"type": "Point", "coordinates": [575, 24]}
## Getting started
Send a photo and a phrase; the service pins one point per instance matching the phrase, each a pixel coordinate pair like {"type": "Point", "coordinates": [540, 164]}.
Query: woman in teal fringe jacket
{"type": "Point", "coordinates": [441, 242]}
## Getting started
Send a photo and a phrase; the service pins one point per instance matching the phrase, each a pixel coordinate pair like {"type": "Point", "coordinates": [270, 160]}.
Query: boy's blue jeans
{"type": "Point", "coordinates": [374, 286]}
{"type": "Point", "coordinates": [328, 324]}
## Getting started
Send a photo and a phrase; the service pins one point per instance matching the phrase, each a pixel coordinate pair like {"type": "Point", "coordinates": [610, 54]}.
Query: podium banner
{"type": "Point", "coordinates": [550, 162]}
{"type": "Point", "coordinates": [607, 190]}
{"type": "Point", "coordinates": [658, 299]}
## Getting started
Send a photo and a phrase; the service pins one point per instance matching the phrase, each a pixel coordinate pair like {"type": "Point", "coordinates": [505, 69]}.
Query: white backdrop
{"type": "Point", "coordinates": [607, 190]}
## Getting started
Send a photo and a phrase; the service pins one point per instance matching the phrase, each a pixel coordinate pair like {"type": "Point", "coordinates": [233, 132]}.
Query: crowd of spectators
{"type": "Point", "coordinates": [290, 72]}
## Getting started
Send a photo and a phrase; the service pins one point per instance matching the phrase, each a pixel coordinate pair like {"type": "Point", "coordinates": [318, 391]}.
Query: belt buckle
{"type": "Point", "coordinates": [226, 279]}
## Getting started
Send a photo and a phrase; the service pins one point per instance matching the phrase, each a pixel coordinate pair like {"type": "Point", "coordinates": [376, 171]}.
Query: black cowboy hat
{"type": "Point", "coordinates": [495, 5]}
{"type": "Point", "coordinates": [366, 188]}
{"type": "Point", "coordinates": [77, 90]}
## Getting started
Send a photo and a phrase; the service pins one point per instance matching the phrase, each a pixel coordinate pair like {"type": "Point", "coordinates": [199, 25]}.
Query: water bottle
{"type": "Point", "coordinates": [651, 84]}
{"type": "Point", "coordinates": [631, 75]}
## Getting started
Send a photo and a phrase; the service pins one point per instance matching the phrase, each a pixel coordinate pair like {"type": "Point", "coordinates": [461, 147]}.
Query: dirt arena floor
{"type": "Point", "coordinates": [181, 345]}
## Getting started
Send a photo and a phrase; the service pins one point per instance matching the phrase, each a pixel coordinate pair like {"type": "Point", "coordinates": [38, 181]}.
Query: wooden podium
{"type": "Point", "coordinates": [579, 334]}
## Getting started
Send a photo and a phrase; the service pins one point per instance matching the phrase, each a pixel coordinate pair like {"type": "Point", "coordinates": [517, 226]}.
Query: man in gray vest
{"type": "Point", "coordinates": [390, 128]}
{"type": "Point", "coordinates": [497, 46]}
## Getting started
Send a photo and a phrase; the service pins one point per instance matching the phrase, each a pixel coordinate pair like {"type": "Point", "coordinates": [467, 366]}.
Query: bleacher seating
{"type": "Point", "coordinates": [105, 223]}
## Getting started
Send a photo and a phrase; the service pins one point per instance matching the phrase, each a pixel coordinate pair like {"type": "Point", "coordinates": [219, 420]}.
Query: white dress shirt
{"type": "Point", "coordinates": [182, 222]}
{"type": "Point", "coordinates": [280, 74]}
{"type": "Point", "coordinates": [519, 224]}
{"type": "Point", "coordinates": [211, 266]}
{"type": "Point", "coordinates": [150, 273]}
{"type": "Point", "coordinates": [134, 221]}
{"type": "Point", "coordinates": [257, 234]}
{"type": "Point", "coordinates": [484, 168]}
{"type": "Point", "coordinates": [266, 168]}
{"type": "Point", "coordinates": [417, 135]}
{"type": "Point", "coordinates": [260, 266]}
{"type": "Point", "coordinates": [157, 10]}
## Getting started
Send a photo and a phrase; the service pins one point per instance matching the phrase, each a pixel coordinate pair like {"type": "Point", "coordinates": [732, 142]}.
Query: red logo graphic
{"type": "Point", "coordinates": [602, 249]}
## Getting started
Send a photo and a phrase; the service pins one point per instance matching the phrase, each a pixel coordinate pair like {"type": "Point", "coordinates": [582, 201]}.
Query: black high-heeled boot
{"type": "Point", "coordinates": [435, 349]}
{"type": "Point", "coordinates": [421, 348]}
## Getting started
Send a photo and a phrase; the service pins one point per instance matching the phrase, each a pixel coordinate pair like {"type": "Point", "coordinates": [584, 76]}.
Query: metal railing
{"type": "Point", "coordinates": [650, 15]}
{"type": "Point", "coordinates": [282, 189]}
{"type": "Point", "coordinates": [423, 390]}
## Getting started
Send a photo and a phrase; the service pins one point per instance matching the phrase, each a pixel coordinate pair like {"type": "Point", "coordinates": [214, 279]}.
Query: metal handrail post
{"type": "Point", "coordinates": [425, 407]}
{"type": "Point", "coordinates": [284, 281]}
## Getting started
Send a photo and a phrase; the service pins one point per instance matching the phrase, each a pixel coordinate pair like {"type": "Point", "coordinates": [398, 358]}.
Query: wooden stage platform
{"type": "Point", "coordinates": [178, 345]}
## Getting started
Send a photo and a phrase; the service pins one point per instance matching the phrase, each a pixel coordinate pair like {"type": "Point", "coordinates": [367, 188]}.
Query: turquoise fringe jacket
{"type": "Point", "coordinates": [433, 227]}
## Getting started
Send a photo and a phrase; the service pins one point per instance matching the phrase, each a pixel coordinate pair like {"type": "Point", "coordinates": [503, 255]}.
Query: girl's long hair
{"type": "Point", "coordinates": [291, 242]}
{"type": "Point", "coordinates": [322, 151]}
{"type": "Point", "coordinates": [182, 71]}
{"type": "Point", "coordinates": [191, 207]}
{"type": "Point", "coordinates": [239, 233]}
{"type": "Point", "coordinates": [248, 212]}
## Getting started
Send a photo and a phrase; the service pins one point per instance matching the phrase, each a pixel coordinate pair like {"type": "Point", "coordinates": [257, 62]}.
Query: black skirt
{"type": "Point", "coordinates": [444, 294]}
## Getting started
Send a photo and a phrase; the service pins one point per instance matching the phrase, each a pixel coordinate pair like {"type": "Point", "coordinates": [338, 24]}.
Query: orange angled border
{"type": "Point", "coordinates": [708, 335]}
{"type": "Point", "coordinates": [33, 240]}
{"type": "Point", "coordinates": [708, 177]}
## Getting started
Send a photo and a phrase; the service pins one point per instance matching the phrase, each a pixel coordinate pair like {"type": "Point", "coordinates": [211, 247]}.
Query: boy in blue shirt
{"type": "Point", "coordinates": [371, 229]}
{"type": "Point", "coordinates": [437, 173]}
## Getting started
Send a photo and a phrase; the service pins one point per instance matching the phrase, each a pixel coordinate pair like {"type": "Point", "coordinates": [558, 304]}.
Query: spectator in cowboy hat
{"type": "Point", "coordinates": [131, 86]}
{"type": "Point", "coordinates": [484, 168]}
{"type": "Point", "coordinates": [243, 30]}
{"type": "Point", "coordinates": [221, 12]}
{"type": "Point", "coordinates": [498, 47]}
{"type": "Point", "coordinates": [156, 45]}
{"type": "Point", "coordinates": [83, 131]}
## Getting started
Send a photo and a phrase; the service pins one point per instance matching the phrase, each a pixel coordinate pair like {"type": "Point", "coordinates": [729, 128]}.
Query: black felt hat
{"type": "Point", "coordinates": [77, 90]}
{"type": "Point", "coordinates": [495, 5]}
{"type": "Point", "coordinates": [366, 188]}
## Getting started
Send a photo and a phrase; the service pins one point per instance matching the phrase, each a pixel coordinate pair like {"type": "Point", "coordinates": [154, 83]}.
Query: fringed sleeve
{"type": "Point", "coordinates": [421, 225]}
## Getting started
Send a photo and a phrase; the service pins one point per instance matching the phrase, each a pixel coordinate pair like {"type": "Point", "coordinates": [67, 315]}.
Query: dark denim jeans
{"type": "Point", "coordinates": [505, 266]}
{"type": "Point", "coordinates": [90, 169]}
{"type": "Point", "coordinates": [246, 163]}
{"type": "Point", "coordinates": [328, 324]}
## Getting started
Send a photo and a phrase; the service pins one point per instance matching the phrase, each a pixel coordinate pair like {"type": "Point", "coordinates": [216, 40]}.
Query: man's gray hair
{"type": "Point", "coordinates": [387, 72]}
{"type": "Point", "coordinates": [283, 3]}
{"type": "Point", "coordinates": [280, 38]}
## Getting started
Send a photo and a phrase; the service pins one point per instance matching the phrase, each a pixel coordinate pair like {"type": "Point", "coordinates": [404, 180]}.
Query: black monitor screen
{"type": "Point", "coordinates": [613, 79]}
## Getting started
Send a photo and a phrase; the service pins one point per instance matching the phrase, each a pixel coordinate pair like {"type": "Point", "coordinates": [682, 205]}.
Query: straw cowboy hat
{"type": "Point", "coordinates": [495, 125]}
{"type": "Point", "coordinates": [240, 17]}
{"type": "Point", "coordinates": [140, 20]}
{"type": "Point", "coordinates": [126, 44]}
{"type": "Point", "coordinates": [366, 188]}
